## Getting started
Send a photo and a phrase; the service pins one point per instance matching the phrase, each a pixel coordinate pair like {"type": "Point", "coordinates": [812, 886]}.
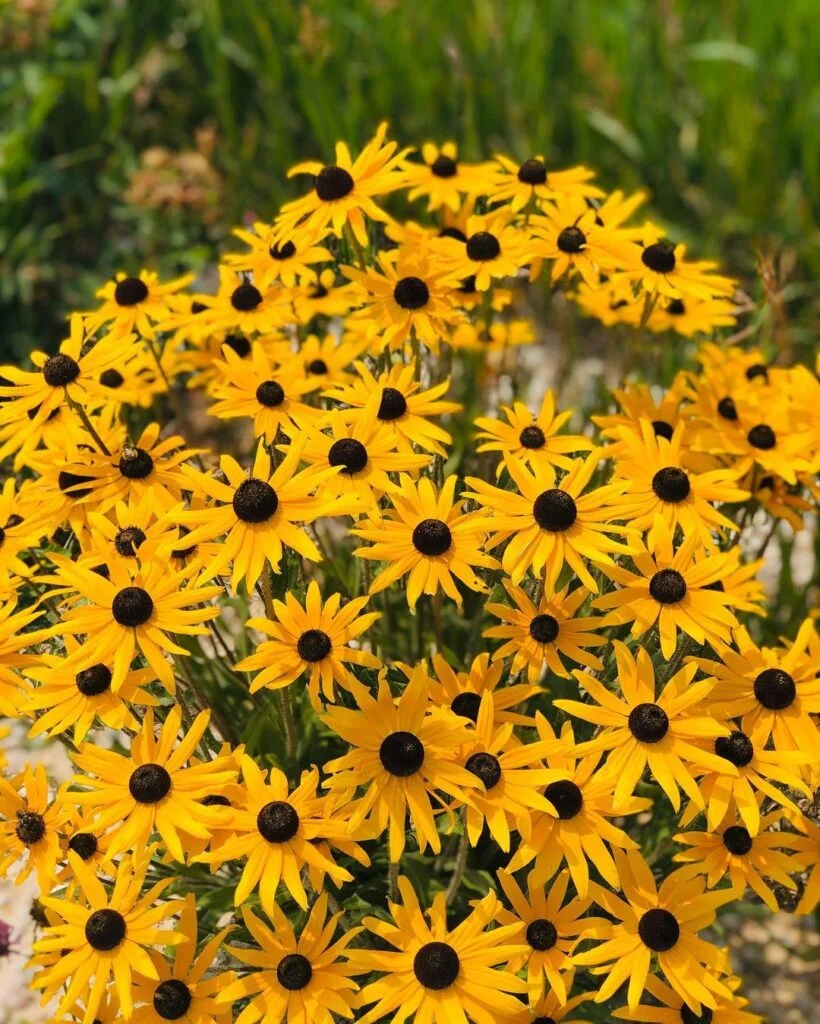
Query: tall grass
{"type": "Point", "coordinates": [713, 107]}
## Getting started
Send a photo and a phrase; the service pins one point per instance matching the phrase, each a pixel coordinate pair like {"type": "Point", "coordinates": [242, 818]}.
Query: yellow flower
{"type": "Point", "coordinates": [269, 259]}
{"type": "Point", "coordinates": [105, 936]}
{"type": "Point", "coordinates": [13, 641]}
{"type": "Point", "coordinates": [426, 535]}
{"type": "Point", "coordinates": [462, 691]}
{"type": "Point", "coordinates": [494, 248]}
{"type": "Point", "coordinates": [326, 362]}
{"type": "Point", "coordinates": [443, 179]}
{"type": "Point", "coordinates": [402, 755]}
{"type": "Point", "coordinates": [29, 826]}
{"type": "Point", "coordinates": [135, 304]}
{"type": "Point", "coordinates": [729, 1009]}
{"type": "Point", "coordinates": [807, 847]}
{"type": "Point", "coordinates": [439, 975]}
{"type": "Point", "coordinates": [692, 316]}
{"type": "Point", "coordinates": [662, 269]}
{"type": "Point", "coordinates": [314, 639]}
{"type": "Point", "coordinates": [531, 181]}
{"type": "Point", "coordinates": [243, 308]}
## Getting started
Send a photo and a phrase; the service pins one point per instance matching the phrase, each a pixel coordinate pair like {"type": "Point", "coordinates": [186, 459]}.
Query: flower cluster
{"type": "Point", "coordinates": [488, 664]}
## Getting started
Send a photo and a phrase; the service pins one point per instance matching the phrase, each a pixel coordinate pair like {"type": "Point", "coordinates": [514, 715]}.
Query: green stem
{"type": "Point", "coordinates": [458, 867]}
{"type": "Point", "coordinates": [355, 245]}
{"type": "Point", "coordinates": [89, 426]}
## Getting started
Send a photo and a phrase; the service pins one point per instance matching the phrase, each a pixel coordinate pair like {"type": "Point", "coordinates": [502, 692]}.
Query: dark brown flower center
{"type": "Point", "coordinates": [411, 293]}
{"type": "Point", "coordinates": [128, 540]}
{"type": "Point", "coordinates": [313, 645]}
{"type": "Point", "coordinates": [671, 484]}
{"type": "Point", "coordinates": [466, 705]}
{"type": "Point", "coordinates": [648, 723]}
{"type": "Point", "coordinates": [93, 681]}
{"type": "Point", "coordinates": [246, 297]}
{"type": "Point", "coordinates": [393, 405]}
{"type": "Point", "coordinates": [333, 183]}
{"type": "Point", "coordinates": [278, 822]}
{"type": "Point", "coordinates": [485, 767]}
{"type": "Point", "coordinates": [565, 797]}
{"type": "Point", "coordinates": [402, 754]}
{"type": "Point", "coordinates": [60, 370]}
{"type": "Point", "coordinates": [112, 379]}
{"type": "Point", "coordinates": [762, 436]}
{"type": "Point", "coordinates": [775, 689]}
{"type": "Point", "coordinates": [737, 748]}
{"type": "Point", "coordinates": [667, 586]}
{"type": "Point", "coordinates": [348, 453]}
{"type": "Point", "coordinates": [436, 966]}
{"type": "Point", "coordinates": [541, 934]}
{"type": "Point", "coordinates": [172, 999]}
{"type": "Point", "coordinates": [571, 240]}
{"type": "Point", "coordinates": [483, 247]}
{"type": "Point", "coordinates": [149, 783]}
{"type": "Point", "coordinates": [105, 930]}
{"type": "Point", "coordinates": [659, 930]}
{"type": "Point", "coordinates": [555, 510]}
{"type": "Point", "coordinates": [444, 166]}
{"type": "Point", "coordinates": [270, 393]}
{"type": "Point", "coordinates": [132, 606]}
{"type": "Point", "coordinates": [544, 629]}
{"type": "Point", "coordinates": [532, 437]}
{"type": "Point", "coordinates": [432, 537]}
{"type": "Point", "coordinates": [255, 501]}
{"type": "Point", "coordinates": [532, 172]}
{"type": "Point", "coordinates": [282, 251]}
{"type": "Point", "coordinates": [660, 257]}
{"type": "Point", "coordinates": [31, 827]}
{"type": "Point", "coordinates": [84, 844]}
{"type": "Point", "coordinates": [130, 291]}
{"type": "Point", "coordinates": [727, 409]}
{"type": "Point", "coordinates": [294, 972]}
{"type": "Point", "coordinates": [135, 463]}
{"type": "Point", "coordinates": [737, 840]}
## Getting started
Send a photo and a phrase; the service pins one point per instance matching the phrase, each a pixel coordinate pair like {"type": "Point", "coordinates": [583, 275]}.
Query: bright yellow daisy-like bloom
{"type": "Point", "coordinates": [403, 408]}
{"type": "Point", "coordinates": [404, 757]}
{"type": "Point", "coordinates": [366, 454]}
{"type": "Point", "coordinates": [309, 979]}
{"type": "Point", "coordinates": [130, 534]}
{"type": "Point", "coordinates": [126, 615]}
{"type": "Point", "coordinates": [133, 304]}
{"type": "Point", "coordinates": [425, 534]}
{"type": "Point", "coordinates": [241, 307]}
{"type": "Point", "coordinates": [550, 523]}
{"type": "Point", "coordinates": [257, 389]}
{"type": "Point", "coordinates": [494, 249]}
{"type": "Point", "coordinates": [692, 316]}
{"type": "Point", "coordinates": [283, 259]}
{"type": "Point", "coordinates": [106, 936]}
{"type": "Point", "coordinates": [542, 635]}
{"type": "Point", "coordinates": [405, 298]}
{"type": "Point", "coordinates": [774, 691]}
{"type": "Point", "coordinates": [278, 833]}
{"type": "Point", "coordinates": [640, 730]}
{"type": "Point", "coordinates": [462, 691]}
{"type": "Point", "coordinates": [443, 179]}
{"type": "Point", "coordinates": [343, 191]}
{"type": "Point", "coordinates": [30, 826]}
{"type": "Point", "coordinates": [672, 1009]}
{"type": "Point", "coordinates": [578, 828]}
{"type": "Point", "coordinates": [658, 925]}
{"type": "Point", "coordinates": [70, 375]}
{"type": "Point", "coordinates": [314, 639]}
{"type": "Point", "coordinates": [24, 520]}
{"type": "Point", "coordinates": [326, 362]}
{"type": "Point", "coordinates": [662, 269]}
{"type": "Point", "coordinates": [501, 336]}
{"type": "Point", "coordinates": [746, 859]}
{"type": "Point", "coordinates": [510, 774]}
{"type": "Point", "coordinates": [532, 181]}
{"type": "Point", "coordinates": [568, 233]}
{"type": "Point", "coordinates": [550, 928]}
{"type": "Point", "coordinates": [181, 991]}
{"type": "Point", "coordinates": [259, 512]}
{"type": "Point", "coordinates": [13, 642]}
{"type": "Point", "coordinates": [673, 590]}
{"type": "Point", "coordinates": [531, 439]}
{"type": "Point", "coordinates": [131, 472]}
{"type": "Point", "coordinates": [636, 402]}
{"type": "Point", "coordinates": [69, 698]}
{"type": "Point", "coordinates": [662, 488]}
{"type": "Point", "coordinates": [326, 297]}
{"type": "Point", "coordinates": [758, 770]}
{"type": "Point", "coordinates": [807, 851]}
{"type": "Point", "coordinates": [151, 790]}
{"type": "Point", "coordinates": [551, 1007]}
{"type": "Point", "coordinates": [436, 975]}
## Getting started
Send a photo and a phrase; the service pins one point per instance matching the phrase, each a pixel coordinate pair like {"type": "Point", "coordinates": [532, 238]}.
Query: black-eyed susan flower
{"type": "Point", "coordinates": [532, 181]}
{"type": "Point", "coordinates": [436, 975]}
{"type": "Point", "coordinates": [259, 512]}
{"type": "Point", "coordinates": [147, 466]}
{"type": "Point", "coordinates": [532, 439]}
{"type": "Point", "coordinates": [403, 757]}
{"type": "Point", "coordinates": [330, 296]}
{"type": "Point", "coordinates": [426, 534]}
{"type": "Point", "coordinates": [444, 180]}
{"type": "Point", "coordinates": [14, 639]}
{"type": "Point", "coordinates": [774, 691]}
{"type": "Point", "coordinates": [243, 307]}
{"type": "Point", "coordinates": [542, 634]}
{"type": "Point", "coordinates": [24, 521]}
{"type": "Point", "coordinates": [669, 1007]}
{"type": "Point", "coordinates": [550, 522]}
{"type": "Point", "coordinates": [746, 859]}
{"type": "Point", "coordinates": [568, 233]}
{"type": "Point", "coordinates": [129, 614]}
{"type": "Point", "coordinates": [343, 191]}
{"type": "Point", "coordinates": [313, 640]}
{"type": "Point", "coordinates": [366, 455]}
{"type": "Point", "coordinates": [278, 832]}
{"type": "Point", "coordinates": [70, 375]}
{"type": "Point", "coordinates": [151, 790]}
{"type": "Point", "coordinates": [637, 402]}
{"type": "Point", "coordinates": [739, 580]}
{"type": "Point", "coordinates": [405, 297]}
{"type": "Point", "coordinates": [640, 729]}
{"type": "Point", "coordinates": [304, 979]}
{"type": "Point", "coordinates": [578, 828]}
{"type": "Point", "coordinates": [30, 823]}
{"type": "Point", "coordinates": [283, 259]}
{"type": "Point", "coordinates": [662, 269]}
{"type": "Point", "coordinates": [130, 533]}
{"type": "Point", "coordinates": [495, 248]}
{"type": "Point", "coordinates": [511, 774]}
{"type": "Point", "coordinates": [403, 408]}
{"type": "Point", "coordinates": [551, 1007]}
{"type": "Point", "coordinates": [327, 362]}
{"type": "Point", "coordinates": [549, 927]}
{"type": "Point", "coordinates": [70, 698]}
{"type": "Point", "coordinates": [658, 925]}
{"type": "Point", "coordinates": [691, 316]}
{"type": "Point", "coordinates": [758, 771]}
{"type": "Point", "coordinates": [104, 936]}
{"type": "Point", "coordinates": [181, 990]}
{"type": "Point", "coordinates": [258, 390]}
{"type": "Point", "coordinates": [135, 304]}
{"type": "Point", "coordinates": [461, 691]}
{"type": "Point", "coordinates": [662, 487]}
{"type": "Point", "coordinates": [497, 338]}
{"type": "Point", "coordinates": [673, 590]}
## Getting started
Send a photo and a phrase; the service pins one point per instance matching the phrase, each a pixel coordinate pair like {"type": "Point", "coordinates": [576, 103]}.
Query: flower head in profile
{"type": "Point", "coordinates": [313, 640]}
{"type": "Point", "coordinates": [435, 973]}
{"type": "Point", "coordinates": [403, 757]}
{"type": "Point", "coordinates": [103, 935]}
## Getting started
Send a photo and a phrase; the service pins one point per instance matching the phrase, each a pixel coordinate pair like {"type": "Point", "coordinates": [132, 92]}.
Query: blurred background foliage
{"type": "Point", "coordinates": [137, 133]}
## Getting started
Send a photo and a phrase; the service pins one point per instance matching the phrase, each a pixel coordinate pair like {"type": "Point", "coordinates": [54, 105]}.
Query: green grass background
{"type": "Point", "coordinates": [713, 105]}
